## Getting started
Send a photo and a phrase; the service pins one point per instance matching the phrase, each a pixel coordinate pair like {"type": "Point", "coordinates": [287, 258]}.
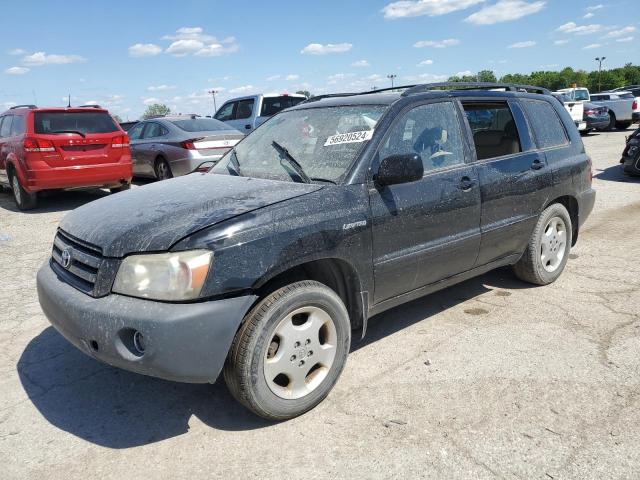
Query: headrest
{"type": "Point", "coordinates": [488, 138]}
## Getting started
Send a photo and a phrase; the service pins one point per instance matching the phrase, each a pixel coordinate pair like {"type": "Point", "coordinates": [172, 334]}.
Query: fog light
{"type": "Point", "coordinates": [138, 342]}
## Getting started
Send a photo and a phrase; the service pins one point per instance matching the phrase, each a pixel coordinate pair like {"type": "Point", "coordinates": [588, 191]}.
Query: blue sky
{"type": "Point", "coordinates": [125, 55]}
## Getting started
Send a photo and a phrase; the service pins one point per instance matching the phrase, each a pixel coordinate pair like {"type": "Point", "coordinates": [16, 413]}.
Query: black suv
{"type": "Point", "coordinates": [331, 212]}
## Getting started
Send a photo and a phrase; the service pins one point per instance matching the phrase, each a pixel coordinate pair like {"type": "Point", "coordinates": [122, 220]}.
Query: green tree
{"type": "Point", "coordinates": [487, 76]}
{"type": "Point", "coordinates": [155, 110]}
{"type": "Point", "coordinates": [306, 93]}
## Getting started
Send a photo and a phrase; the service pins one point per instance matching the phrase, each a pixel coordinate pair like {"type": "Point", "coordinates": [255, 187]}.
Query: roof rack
{"type": "Point", "coordinates": [510, 87]}
{"type": "Point", "coordinates": [352, 94]}
{"type": "Point", "coordinates": [92, 105]}
{"type": "Point", "coordinates": [31, 107]}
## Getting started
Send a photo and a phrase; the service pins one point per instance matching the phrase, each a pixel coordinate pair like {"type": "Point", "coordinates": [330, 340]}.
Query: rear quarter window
{"type": "Point", "coordinates": [83, 122]}
{"type": "Point", "coordinates": [546, 124]}
{"type": "Point", "coordinates": [273, 105]}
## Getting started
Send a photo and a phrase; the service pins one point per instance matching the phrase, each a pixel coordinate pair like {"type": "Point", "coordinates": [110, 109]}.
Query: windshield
{"type": "Point", "coordinates": [82, 122]}
{"type": "Point", "coordinates": [581, 94]}
{"type": "Point", "coordinates": [322, 142]}
{"type": "Point", "coordinates": [200, 125]}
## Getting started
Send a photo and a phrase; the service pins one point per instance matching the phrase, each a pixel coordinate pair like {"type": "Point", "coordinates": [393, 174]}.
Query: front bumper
{"type": "Point", "coordinates": [182, 342]}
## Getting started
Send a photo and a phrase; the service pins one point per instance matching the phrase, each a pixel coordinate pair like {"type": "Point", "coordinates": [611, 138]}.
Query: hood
{"type": "Point", "coordinates": [154, 217]}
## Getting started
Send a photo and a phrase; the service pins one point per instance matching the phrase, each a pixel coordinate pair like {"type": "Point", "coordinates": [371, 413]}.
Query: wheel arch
{"type": "Point", "coordinates": [335, 273]}
{"type": "Point", "coordinates": [571, 204]}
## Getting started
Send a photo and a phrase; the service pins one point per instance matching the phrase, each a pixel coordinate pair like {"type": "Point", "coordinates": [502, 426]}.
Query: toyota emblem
{"type": "Point", "coordinates": [66, 258]}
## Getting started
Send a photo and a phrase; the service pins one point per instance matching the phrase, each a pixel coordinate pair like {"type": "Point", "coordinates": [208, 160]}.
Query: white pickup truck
{"type": "Point", "coordinates": [574, 107]}
{"type": "Point", "coordinates": [620, 105]}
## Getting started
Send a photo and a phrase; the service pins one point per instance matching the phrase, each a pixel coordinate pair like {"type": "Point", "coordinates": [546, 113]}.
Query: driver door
{"type": "Point", "coordinates": [427, 230]}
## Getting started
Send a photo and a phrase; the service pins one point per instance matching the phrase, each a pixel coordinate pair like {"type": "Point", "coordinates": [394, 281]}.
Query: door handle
{"type": "Point", "coordinates": [537, 164]}
{"type": "Point", "coordinates": [466, 184]}
{"type": "Point", "coordinates": [248, 127]}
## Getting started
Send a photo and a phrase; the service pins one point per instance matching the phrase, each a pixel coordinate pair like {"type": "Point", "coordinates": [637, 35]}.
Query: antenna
{"type": "Point", "coordinates": [69, 105]}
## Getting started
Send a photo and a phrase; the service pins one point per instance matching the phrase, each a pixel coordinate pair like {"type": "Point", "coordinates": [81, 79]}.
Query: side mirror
{"type": "Point", "coordinates": [396, 169]}
{"type": "Point", "coordinates": [204, 167]}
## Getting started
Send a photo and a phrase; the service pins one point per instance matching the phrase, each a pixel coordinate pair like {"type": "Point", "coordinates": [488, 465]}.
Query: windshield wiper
{"type": "Point", "coordinates": [292, 161]}
{"type": "Point", "coordinates": [69, 131]}
{"type": "Point", "coordinates": [233, 159]}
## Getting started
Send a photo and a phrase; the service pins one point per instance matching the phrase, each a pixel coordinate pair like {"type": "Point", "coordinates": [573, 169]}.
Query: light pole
{"type": "Point", "coordinates": [391, 77]}
{"type": "Point", "coordinates": [213, 94]}
{"type": "Point", "coordinates": [600, 60]}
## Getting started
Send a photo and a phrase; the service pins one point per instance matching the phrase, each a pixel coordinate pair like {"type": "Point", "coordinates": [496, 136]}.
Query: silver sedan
{"type": "Point", "coordinates": [171, 146]}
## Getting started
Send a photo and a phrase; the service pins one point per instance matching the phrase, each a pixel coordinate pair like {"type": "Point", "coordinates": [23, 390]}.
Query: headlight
{"type": "Point", "coordinates": [164, 276]}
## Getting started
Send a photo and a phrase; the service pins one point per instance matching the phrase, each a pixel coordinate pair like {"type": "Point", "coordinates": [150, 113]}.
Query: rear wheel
{"type": "Point", "coordinates": [623, 125]}
{"type": "Point", "coordinates": [612, 121]}
{"type": "Point", "coordinates": [548, 250]}
{"type": "Point", "coordinates": [290, 351]}
{"type": "Point", "coordinates": [24, 200]}
{"type": "Point", "coordinates": [163, 170]}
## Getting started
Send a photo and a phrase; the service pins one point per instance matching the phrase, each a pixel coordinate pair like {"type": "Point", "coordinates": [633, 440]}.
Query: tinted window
{"type": "Point", "coordinates": [599, 98]}
{"type": "Point", "coordinates": [432, 131]}
{"type": "Point", "coordinates": [226, 112]}
{"type": "Point", "coordinates": [626, 95]}
{"type": "Point", "coordinates": [136, 131]}
{"type": "Point", "coordinates": [581, 95]}
{"type": "Point", "coordinates": [272, 105]}
{"type": "Point", "coordinates": [546, 124]}
{"type": "Point", "coordinates": [495, 133]}
{"type": "Point", "coordinates": [153, 130]}
{"type": "Point", "coordinates": [5, 127]}
{"type": "Point", "coordinates": [63, 122]}
{"type": "Point", "coordinates": [244, 109]}
{"type": "Point", "coordinates": [636, 92]}
{"type": "Point", "coordinates": [200, 125]}
{"type": "Point", "coordinates": [17, 127]}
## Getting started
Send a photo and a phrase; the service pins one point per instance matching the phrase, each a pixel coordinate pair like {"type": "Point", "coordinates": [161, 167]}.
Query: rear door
{"type": "Point", "coordinates": [79, 137]}
{"type": "Point", "coordinates": [514, 177]}
{"type": "Point", "coordinates": [242, 116]}
{"type": "Point", "coordinates": [427, 230]}
{"type": "Point", "coordinates": [135, 139]}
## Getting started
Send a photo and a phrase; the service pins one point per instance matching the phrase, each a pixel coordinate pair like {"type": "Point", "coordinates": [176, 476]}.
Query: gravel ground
{"type": "Point", "coordinates": [488, 379]}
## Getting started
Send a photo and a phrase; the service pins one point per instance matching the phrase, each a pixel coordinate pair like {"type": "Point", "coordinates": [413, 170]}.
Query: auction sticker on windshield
{"type": "Point", "coordinates": [352, 137]}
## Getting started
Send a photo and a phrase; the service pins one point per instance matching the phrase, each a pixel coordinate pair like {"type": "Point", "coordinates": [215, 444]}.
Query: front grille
{"type": "Point", "coordinates": [83, 264]}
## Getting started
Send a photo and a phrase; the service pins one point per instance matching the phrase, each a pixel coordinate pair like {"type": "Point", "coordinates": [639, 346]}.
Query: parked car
{"type": "Point", "coordinates": [61, 148]}
{"type": "Point", "coordinates": [635, 91]}
{"type": "Point", "coordinates": [246, 113]}
{"type": "Point", "coordinates": [596, 117]}
{"type": "Point", "coordinates": [333, 211]}
{"type": "Point", "coordinates": [631, 155]}
{"type": "Point", "coordinates": [575, 109]}
{"type": "Point", "coordinates": [126, 126]}
{"type": "Point", "coordinates": [171, 146]}
{"type": "Point", "coordinates": [620, 106]}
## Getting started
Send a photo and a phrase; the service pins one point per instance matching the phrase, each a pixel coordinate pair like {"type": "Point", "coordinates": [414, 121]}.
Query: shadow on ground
{"type": "Point", "coordinates": [614, 173]}
{"type": "Point", "coordinates": [54, 201]}
{"type": "Point", "coordinates": [118, 409]}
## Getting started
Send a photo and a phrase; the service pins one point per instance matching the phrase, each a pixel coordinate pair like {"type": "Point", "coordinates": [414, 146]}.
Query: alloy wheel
{"type": "Point", "coordinates": [553, 245]}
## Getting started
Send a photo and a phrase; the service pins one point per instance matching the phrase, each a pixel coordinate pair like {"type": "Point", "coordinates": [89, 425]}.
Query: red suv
{"type": "Point", "coordinates": [61, 148]}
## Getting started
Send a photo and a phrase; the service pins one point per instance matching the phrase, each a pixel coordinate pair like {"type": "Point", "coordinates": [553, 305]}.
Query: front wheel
{"type": "Point", "coordinates": [163, 170]}
{"type": "Point", "coordinates": [290, 351]}
{"type": "Point", "coordinates": [548, 250]}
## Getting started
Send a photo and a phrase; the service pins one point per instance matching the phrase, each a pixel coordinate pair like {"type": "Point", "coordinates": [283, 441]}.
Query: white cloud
{"type": "Point", "coordinates": [180, 48]}
{"type": "Point", "coordinates": [573, 28]}
{"type": "Point", "coordinates": [150, 100]}
{"type": "Point", "coordinates": [464, 73]}
{"type": "Point", "coordinates": [292, 77]}
{"type": "Point", "coordinates": [194, 41]}
{"type": "Point", "coordinates": [16, 71]}
{"type": "Point", "coordinates": [594, 8]}
{"type": "Point", "coordinates": [620, 33]}
{"type": "Point", "coordinates": [592, 46]}
{"type": "Point", "coordinates": [273, 78]}
{"type": "Point", "coordinates": [432, 8]}
{"type": "Point", "coordinates": [38, 59]}
{"type": "Point", "coordinates": [361, 64]}
{"type": "Point", "coordinates": [437, 43]}
{"type": "Point", "coordinates": [625, 39]}
{"type": "Point", "coordinates": [338, 77]}
{"type": "Point", "coordinates": [505, 11]}
{"type": "Point", "coordinates": [527, 44]}
{"type": "Point", "coordinates": [425, 78]}
{"type": "Point", "coordinates": [561, 42]}
{"type": "Point", "coordinates": [144, 50]}
{"type": "Point", "coordinates": [17, 51]}
{"type": "Point", "coordinates": [588, 15]}
{"type": "Point", "coordinates": [320, 49]}
{"type": "Point", "coordinates": [243, 89]}
{"type": "Point", "coordinates": [424, 63]}
{"type": "Point", "coordinates": [161, 88]}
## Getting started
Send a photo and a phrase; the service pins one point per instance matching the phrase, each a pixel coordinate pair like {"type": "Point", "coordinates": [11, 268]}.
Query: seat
{"type": "Point", "coordinates": [495, 143]}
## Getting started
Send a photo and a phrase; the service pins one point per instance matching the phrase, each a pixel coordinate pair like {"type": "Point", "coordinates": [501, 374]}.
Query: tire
{"type": "Point", "coordinates": [162, 169]}
{"type": "Point", "coordinates": [612, 121]}
{"type": "Point", "coordinates": [532, 267]}
{"type": "Point", "coordinates": [121, 188]}
{"type": "Point", "coordinates": [274, 330]}
{"type": "Point", "coordinates": [623, 125]}
{"type": "Point", "coordinates": [24, 200]}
